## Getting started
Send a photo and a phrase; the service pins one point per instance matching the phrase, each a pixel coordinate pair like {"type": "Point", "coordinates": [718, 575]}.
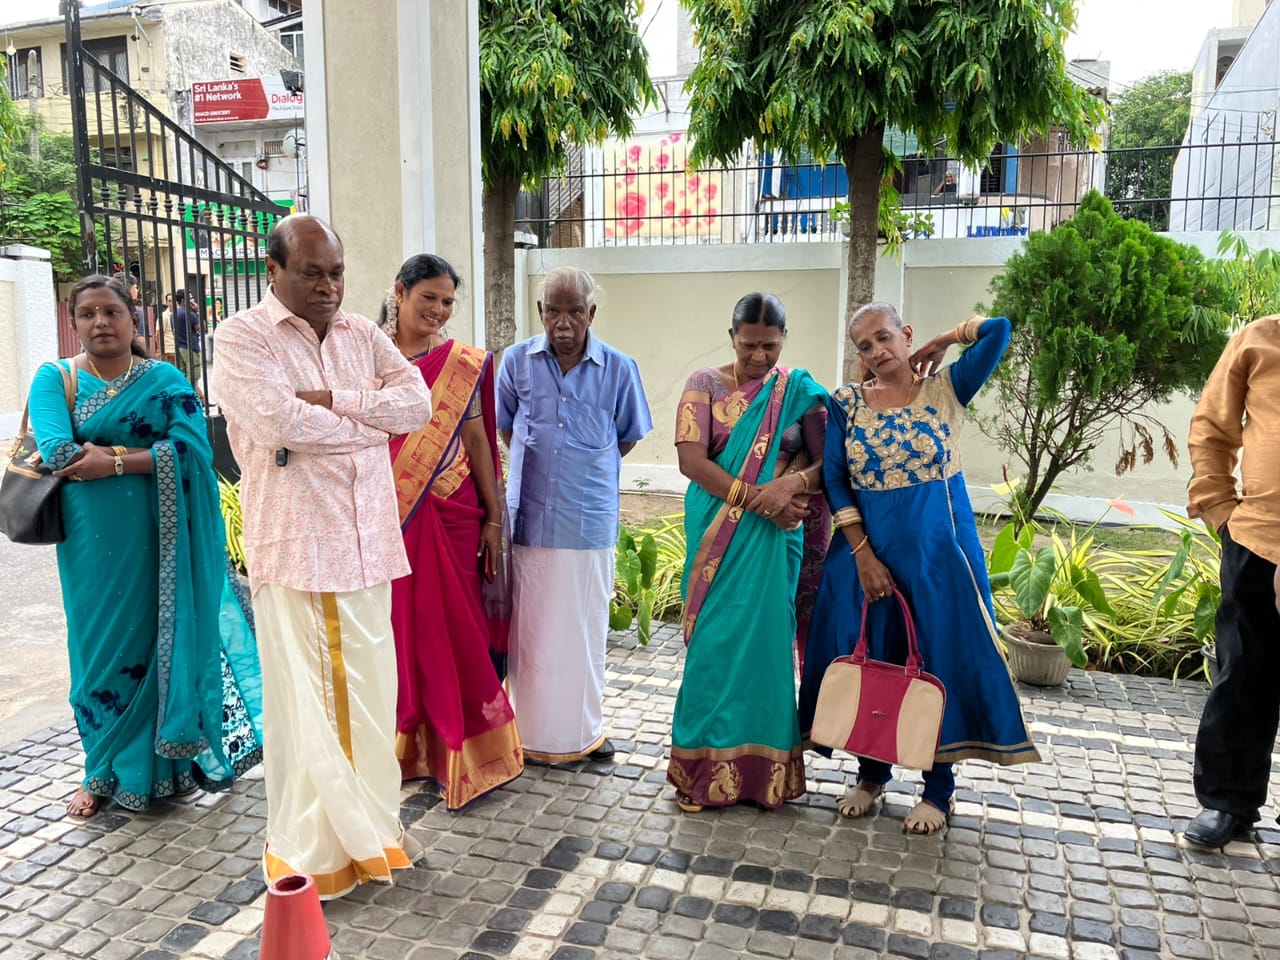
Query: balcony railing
{"type": "Point", "coordinates": [642, 194]}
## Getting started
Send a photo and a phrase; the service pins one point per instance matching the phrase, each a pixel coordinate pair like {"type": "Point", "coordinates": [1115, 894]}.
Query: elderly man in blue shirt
{"type": "Point", "coordinates": [570, 407]}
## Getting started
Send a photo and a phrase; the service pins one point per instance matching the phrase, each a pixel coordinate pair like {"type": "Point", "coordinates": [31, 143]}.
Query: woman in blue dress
{"type": "Point", "coordinates": [894, 483]}
{"type": "Point", "coordinates": [165, 684]}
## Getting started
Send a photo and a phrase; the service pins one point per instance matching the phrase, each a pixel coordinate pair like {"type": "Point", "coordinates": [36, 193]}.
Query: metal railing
{"type": "Point", "coordinates": [161, 207]}
{"type": "Point", "coordinates": [643, 194]}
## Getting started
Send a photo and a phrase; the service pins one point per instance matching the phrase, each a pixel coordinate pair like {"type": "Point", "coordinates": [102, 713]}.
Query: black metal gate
{"type": "Point", "coordinates": [158, 205]}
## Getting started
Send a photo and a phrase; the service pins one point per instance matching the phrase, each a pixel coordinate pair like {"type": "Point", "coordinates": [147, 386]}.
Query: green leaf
{"type": "Point", "coordinates": [1176, 565]}
{"type": "Point", "coordinates": [1031, 577]}
{"type": "Point", "coordinates": [1210, 596]}
{"type": "Point", "coordinates": [629, 573]}
{"type": "Point", "coordinates": [1089, 588]}
{"type": "Point", "coordinates": [1003, 550]}
{"type": "Point", "coordinates": [1066, 624]}
{"type": "Point", "coordinates": [644, 618]}
{"type": "Point", "coordinates": [619, 616]}
{"type": "Point", "coordinates": [648, 560]}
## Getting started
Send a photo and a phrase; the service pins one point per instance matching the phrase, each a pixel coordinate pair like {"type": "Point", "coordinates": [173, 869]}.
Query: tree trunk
{"type": "Point", "coordinates": [862, 155]}
{"type": "Point", "coordinates": [498, 212]}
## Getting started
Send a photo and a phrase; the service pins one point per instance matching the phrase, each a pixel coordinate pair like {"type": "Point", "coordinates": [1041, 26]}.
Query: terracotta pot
{"type": "Point", "coordinates": [1039, 664]}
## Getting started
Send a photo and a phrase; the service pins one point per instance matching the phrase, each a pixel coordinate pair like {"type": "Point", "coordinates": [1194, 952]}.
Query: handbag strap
{"type": "Point", "coordinates": [70, 383]}
{"type": "Point", "coordinates": [913, 647]}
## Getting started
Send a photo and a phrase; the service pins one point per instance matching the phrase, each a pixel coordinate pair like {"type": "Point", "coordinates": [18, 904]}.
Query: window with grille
{"type": "Point", "coordinates": [238, 63]}
{"type": "Point", "coordinates": [20, 74]}
{"type": "Point", "coordinates": [111, 52]}
{"type": "Point", "coordinates": [293, 43]}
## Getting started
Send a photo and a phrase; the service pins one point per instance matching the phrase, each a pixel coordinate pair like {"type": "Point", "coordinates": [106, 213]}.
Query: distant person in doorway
{"type": "Point", "coordinates": [164, 333]}
{"type": "Point", "coordinates": [188, 337]}
{"type": "Point", "coordinates": [948, 184]}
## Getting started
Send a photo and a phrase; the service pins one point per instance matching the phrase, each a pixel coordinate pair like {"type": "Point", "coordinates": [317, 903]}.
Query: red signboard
{"type": "Point", "coordinates": [240, 101]}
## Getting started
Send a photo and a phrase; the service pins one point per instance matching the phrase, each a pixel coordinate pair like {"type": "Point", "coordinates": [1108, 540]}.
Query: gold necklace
{"type": "Point", "coordinates": [111, 391]}
{"type": "Point", "coordinates": [422, 353]}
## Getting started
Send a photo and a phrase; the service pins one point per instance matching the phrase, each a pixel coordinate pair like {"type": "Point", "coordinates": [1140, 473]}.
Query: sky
{"type": "Point", "coordinates": [1141, 37]}
{"type": "Point", "coordinates": [1138, 36]}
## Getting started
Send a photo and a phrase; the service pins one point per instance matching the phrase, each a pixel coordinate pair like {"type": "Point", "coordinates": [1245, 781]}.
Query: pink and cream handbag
{"type": "Point", "coordinates": [881, 710]}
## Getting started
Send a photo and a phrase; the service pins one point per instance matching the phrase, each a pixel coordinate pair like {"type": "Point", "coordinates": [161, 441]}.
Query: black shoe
{"type": "Point", "coordinates": [605, 751]}
{"type": "Point", "coordinates": [1215, 829]}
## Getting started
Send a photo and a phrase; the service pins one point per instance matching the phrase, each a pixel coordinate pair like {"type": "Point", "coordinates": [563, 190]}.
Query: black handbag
{"type": "Point", "coordinates": [30, 504]}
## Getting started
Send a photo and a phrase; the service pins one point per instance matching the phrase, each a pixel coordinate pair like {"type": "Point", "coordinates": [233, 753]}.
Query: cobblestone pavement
{"type": "Point", "coordinates": [1072, 859]}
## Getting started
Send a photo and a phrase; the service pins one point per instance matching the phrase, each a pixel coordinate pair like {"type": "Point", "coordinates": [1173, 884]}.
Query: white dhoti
{"type": "Point", "coordinates": [329, 698]}
{"type": "Point", "coordinates": [559, 624]}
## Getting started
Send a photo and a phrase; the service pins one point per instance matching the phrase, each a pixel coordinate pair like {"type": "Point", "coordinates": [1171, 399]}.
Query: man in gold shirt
{"type": "Point", "coordinates": [1239, 410]}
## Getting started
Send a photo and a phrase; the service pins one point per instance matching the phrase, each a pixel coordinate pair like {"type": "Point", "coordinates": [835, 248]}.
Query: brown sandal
{"type": "Point", "coordinates": [859, 799]}
{"type": "Point", "coordinates": [925, 820]}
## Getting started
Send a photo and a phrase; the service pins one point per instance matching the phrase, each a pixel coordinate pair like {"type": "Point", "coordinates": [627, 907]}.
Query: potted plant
{"type": "Point", "coordinates": [1054, 591]}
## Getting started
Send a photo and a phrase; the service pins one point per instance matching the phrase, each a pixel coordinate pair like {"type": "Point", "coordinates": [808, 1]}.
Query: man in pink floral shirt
{"type": "Point", "coordinates": [312, 395]}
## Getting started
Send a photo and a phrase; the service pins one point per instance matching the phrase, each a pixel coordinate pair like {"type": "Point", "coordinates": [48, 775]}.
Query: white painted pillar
{"type": "Point", "coordinates": [28, 327]}
{"type": "Point", "coordinates": [393, 136]}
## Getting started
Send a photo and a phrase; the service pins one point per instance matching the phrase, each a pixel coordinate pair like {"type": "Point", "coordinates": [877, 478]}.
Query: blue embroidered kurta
{"type": "Point", "coordinates": [901, 470]}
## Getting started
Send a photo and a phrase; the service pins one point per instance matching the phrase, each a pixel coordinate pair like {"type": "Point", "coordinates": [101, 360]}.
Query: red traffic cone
{"type": "Point", "coordinates": [294, 927]}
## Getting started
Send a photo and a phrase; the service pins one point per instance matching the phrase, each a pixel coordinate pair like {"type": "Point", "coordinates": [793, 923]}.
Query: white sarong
{"type": "Point", "coordinates": [329, 699]}
{"type": "Point", "coordinates": [559, 624]}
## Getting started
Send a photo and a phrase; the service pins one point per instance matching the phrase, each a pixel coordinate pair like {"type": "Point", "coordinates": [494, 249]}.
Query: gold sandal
{"type": "Point", "coordinates": [687, 805]}
{"type": "Point", "coordinates": [859, 799]}
{"type": "Point", "coordinates": [925, 820]}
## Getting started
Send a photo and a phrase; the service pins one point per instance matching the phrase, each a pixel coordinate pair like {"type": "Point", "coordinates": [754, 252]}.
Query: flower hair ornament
{"type": "Point", "coordinates": [392, 306]}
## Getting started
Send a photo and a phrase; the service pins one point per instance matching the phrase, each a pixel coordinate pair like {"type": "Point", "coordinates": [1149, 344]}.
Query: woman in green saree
{"type": "Point", "coordinates": [164, 669]}
{"type": "Point", "coordinates": [749, 437]}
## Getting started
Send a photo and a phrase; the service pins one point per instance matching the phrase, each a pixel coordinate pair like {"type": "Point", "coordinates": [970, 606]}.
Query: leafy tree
{"type": "Point", "coordinates": [552, 73]}
{"type": "Point", "coordinates": [53, 172]}
{"type": "Point", "coordinates": [10, 121]}
{"type": "Point", "coordinates": [1108, 319]}
{"type": "Point", "coordinates": [51, 221]}
{"type": "Point", "coordinates": [1252, 277]}
{"type": "Point", "coordinates": [795, 75]}
{"type": "Point", "coordinates": [1148, 122]}
{"type": "Point", "coordinates": [39, 198]}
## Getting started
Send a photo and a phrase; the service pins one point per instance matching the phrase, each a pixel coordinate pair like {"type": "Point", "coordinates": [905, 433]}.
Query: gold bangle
{"type": "Point", "coordinates": [967, 332]}
{"type": "Point", "coordinates": [120, 451]}
{"type": "Point", "coordinates": [861, 543]}
{"type": "Point", "coordinates": [804, 478]}
{"type": "Point", "coordinates": [493, 523]}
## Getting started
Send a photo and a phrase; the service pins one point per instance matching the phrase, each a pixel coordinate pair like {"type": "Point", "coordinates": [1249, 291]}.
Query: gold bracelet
{"type": "Point", "coordinates": [732, 495]}
{"type": "Point", "coordinates": [804, 478]}
{"type": "Point", "coordinates": [861, 543]}
{"type": "Point", "coordinates": [120, 451]}
{"type": "Point", "coordinates": [493, 523]}
{"type": "Point", "coordinates": [967, 332]}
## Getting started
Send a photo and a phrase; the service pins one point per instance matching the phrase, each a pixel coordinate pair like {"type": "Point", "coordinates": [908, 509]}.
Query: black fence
{"type": "Point", "coordinates": [1227, 177]}
{"type": "Point", "coordinates": [160, 207]}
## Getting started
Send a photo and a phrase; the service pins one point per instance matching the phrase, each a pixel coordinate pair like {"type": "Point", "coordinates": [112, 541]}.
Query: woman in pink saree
{"type": "Point", "coordinates": [454, 724]}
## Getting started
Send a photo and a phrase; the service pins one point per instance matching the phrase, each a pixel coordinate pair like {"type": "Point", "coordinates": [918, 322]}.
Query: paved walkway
{"type": "Point", "coordinates": [1072, 859]}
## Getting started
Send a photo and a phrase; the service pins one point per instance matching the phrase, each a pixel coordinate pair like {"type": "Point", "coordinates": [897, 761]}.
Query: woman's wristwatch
{"type": "Point", "coordinates": [119, 462]}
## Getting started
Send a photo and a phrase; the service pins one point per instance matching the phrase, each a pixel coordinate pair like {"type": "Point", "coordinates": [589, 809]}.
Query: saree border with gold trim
{"type": "Point", "coordinates": [429, 461]}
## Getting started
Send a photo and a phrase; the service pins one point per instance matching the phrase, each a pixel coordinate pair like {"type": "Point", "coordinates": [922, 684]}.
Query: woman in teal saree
{"type": "Point", "coordinates": [165, 684]}
{"type": "Point", "coordinates": [749, 437]}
